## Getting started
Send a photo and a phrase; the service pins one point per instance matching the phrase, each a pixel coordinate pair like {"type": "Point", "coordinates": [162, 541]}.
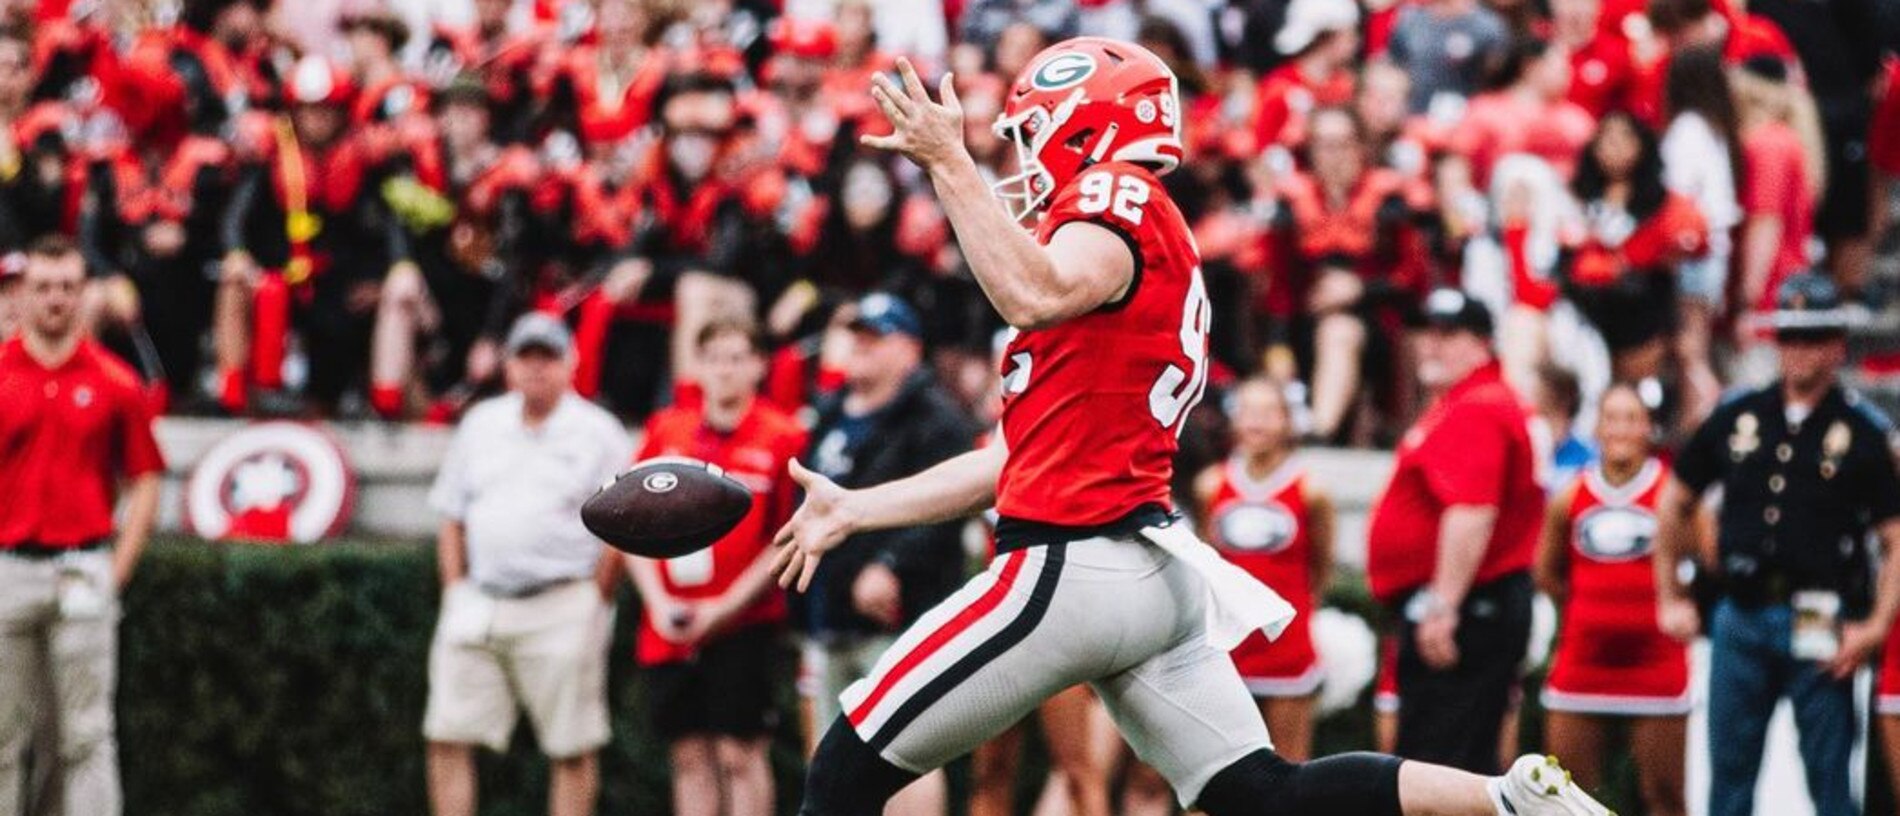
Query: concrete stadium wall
{"type": "Point", "coordinates": [395, 463]}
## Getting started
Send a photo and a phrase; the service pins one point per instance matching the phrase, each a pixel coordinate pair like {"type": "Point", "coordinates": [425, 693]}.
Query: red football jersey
{"type": "Point", "coordinates": [1092, 407]}
{"type": "Point", "coordinates": [1261, 526]}
{"type": "Point", "coordinates": [1611, 658]}
{"type": "Point", "coordinates": [755, 453]}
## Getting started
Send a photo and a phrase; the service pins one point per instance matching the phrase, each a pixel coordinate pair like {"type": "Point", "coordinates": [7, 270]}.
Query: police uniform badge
{"type": "Point", "coordinates": [1834, 446]}
{"type": "Point", "coordinates": [1746, 438]}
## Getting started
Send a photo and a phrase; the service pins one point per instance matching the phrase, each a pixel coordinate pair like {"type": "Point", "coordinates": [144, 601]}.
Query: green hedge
{"type": "Point", "coordinates": [285, 682]}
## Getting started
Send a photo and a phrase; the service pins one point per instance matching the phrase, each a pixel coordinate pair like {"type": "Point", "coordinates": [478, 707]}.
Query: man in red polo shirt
{"type": "Point", "coordinates": [1451, 542]}
{"type": "Point", "coordinates": [74, 429]}
{"type": "Point", "coordinates": [712, 639]}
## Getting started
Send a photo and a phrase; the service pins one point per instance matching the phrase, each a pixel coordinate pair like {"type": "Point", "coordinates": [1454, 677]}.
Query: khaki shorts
{"type": "Point", "coordinates": [832, 666]}
{"type": "Point", "coordinates": [493, 657]}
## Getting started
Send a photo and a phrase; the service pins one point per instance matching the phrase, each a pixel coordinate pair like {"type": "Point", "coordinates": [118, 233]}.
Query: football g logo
{"type": "Point", "coordinates": [661, 482]}
{"type": "Point", "coordinates": [1614, 534]}
{"type": "Point", "coordinates": [1063, 71]}
{"type": "Point", "coordinates": [1257, 528]}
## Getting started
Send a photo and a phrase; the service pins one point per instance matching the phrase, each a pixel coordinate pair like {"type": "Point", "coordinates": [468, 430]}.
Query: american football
{"type": "Point", "coordinates": [668, 507]}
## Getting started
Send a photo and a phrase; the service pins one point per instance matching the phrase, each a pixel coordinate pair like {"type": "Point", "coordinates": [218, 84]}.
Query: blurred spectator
{"type": "Point", "coordinates": [526, 591]}
{"type": "Point", "coordinates": [1621, 271]}
{"type": "Point", "coordinates": [503, 62]}
{"type": "Point", "coordinates": [464, 204]}
{"type": "Point", "coordinates": [308, 243]}
{"type": "Point", "coordinates": [1346, 266]}
{"type": "Point", "coordinates": [712, 623]}
{"type": "Point", "coordinates": [1558, 400]}
{"type": "Point", "coordinates": [1610, 662]}
{"type": "Point", "coordinates": [1681, 24]}
{"type": "Point", "coordinates": [862, 50]}
{"type": "Point", "coordinates": [1448, 47]}
{"type": "Point", "coordinates": [76, 432]}
{"type": "Point", "coordinates": [891, 420]}
{"type": "Point", "coordinates": [1451, 544]}
{"type": "Point", "coordinates": [15, 89]}
{"type": "Point", "coordinates": [915, 28]}
{"type": "Point", "coordinates": [604, 90]}
{"type": "Point", "coordinates": [1802, 605]}
{"type": "Point", "coordinates": [1525, 113]}
{"type": "Point", "coordinates": [1602, 76]}
{"type": "Point", "coordinates": [1838, 46]}
{"type": "Point", "coordinates": [1785, 170]}
{"type": "Point", "coordinates": [986, 23]}
{"type": "Point", "coordinates": [1321, 41]}
{"type": "Point", "coordinates": [1701, 158]}
{"type": "Point", "coordinates": [1398, 141]}
{"type": "Point", "coordinates": [1265, 515]}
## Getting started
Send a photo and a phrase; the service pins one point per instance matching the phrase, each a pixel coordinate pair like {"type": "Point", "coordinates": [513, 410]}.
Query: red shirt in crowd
{"type": "Point", "coordinates": [755, 453]}
{"type": "Point", "coordinates": [1602, 75]}
{"type": "Point", "coordinates": [68, 434]}
{"type": "Point", "coordinates": [1285, 97]}
{"type": "Point", "coordinates": [1471, 447]}
{"type": "Point", "coordinates": [1501, 123]}
{"type": "Point", "coordinates": [1776, 186]}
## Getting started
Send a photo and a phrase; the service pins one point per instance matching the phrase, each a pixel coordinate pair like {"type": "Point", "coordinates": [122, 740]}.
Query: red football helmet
{"type": "Point", "coordinates": [1082, 101]}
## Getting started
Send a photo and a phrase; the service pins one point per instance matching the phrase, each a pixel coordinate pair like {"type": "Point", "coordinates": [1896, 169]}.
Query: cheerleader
{"type": "Point", "coordinates": [1611, 661]}
{"type": "Point", "coordinates": [1263, 514]}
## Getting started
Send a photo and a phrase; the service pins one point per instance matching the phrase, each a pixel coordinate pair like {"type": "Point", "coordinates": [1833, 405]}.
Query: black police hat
{"type": "Point", "coordinates": [1808, 304]}
{"type": "Point", "coordinates": [1452, 309]}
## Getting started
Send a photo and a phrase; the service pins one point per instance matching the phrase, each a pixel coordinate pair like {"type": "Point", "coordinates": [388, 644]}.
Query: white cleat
{"type": "Point", "coordinates": [1538, 786]}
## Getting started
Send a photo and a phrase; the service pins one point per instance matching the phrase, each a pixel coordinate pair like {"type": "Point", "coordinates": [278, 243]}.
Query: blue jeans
{"type": "Point", "coordinates": [1753, 669]}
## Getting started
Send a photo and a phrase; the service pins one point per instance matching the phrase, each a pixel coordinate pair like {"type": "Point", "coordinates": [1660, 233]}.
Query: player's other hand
{"type": "Point", "coordinates": [826, 518]}
{"type": "Point", "coordinates": [928, 133]}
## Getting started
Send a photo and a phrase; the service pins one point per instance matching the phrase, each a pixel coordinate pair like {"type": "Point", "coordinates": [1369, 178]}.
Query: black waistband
{"type": "Point", "coordinates": [35, 549]}
{"type": "Point", "coordinates": [1014, 533]}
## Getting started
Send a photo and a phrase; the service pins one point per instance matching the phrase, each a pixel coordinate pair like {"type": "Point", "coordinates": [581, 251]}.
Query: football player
{"type": "Point", "coordinates": [1095, 579]}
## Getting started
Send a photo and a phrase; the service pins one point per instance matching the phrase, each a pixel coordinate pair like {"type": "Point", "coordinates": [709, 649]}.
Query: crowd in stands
{"type": "Point", "coordinates": [337, 208]}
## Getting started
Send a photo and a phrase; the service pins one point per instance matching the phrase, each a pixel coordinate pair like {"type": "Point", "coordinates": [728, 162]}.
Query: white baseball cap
{"type": "Point", "coordinates": [1307, 19]}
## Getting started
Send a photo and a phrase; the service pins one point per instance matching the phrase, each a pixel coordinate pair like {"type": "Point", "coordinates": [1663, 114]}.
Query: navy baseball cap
{"type": "Point", "coordinates": [884, 314]}
{"type": "Point", "coordinates": [1451, 309]}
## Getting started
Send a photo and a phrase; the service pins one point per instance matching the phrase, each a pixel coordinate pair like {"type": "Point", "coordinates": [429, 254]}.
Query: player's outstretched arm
{"type": "Point", "coordinates": [959, 487]}
{"type": "Point", "coordinates": [1032, 286]}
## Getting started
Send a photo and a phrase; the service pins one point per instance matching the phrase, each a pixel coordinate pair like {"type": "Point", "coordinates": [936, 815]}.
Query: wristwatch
{"type": "Point", "coordinates": [1425, 605]}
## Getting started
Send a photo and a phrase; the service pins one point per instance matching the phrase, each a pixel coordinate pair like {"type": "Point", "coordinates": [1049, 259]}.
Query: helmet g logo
{"type": "Point", "coordinates": [1063, 71]}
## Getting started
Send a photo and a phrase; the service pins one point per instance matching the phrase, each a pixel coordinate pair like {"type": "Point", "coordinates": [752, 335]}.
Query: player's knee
{"type": "Point", "coordinates": [848, 778]}
{"type": "Point", "coordinates": [1265, 784]}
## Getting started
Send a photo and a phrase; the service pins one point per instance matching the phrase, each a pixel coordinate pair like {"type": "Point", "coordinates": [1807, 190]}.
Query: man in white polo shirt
{"type": "Point", "coordinates": [525, 616]}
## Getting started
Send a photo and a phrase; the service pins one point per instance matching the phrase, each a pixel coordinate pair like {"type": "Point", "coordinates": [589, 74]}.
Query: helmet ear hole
{"type": "Point", "coordinates": [1078, 141]}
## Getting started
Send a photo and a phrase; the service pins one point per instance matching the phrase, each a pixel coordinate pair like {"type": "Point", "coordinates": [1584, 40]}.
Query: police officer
{"type": "Point", "coordinates": [1806, 471]}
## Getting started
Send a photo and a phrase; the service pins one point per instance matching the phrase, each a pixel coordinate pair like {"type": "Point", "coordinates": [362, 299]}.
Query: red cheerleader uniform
{"type": "Point", "coordinates": [1611, 658]}
{"type": "Point", "coordinates": [1261, 526]}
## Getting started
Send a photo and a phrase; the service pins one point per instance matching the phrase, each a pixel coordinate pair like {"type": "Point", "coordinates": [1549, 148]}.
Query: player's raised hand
{"type": "Point", "coordinates": [928, 133]}
{"type": "Point", "coordinates": [821, 522]}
